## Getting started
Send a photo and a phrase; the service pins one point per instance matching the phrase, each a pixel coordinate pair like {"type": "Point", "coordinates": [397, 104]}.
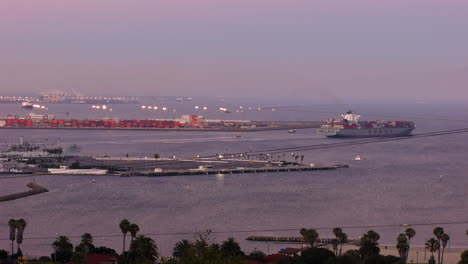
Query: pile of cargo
{"type": "Point", "coordinates": [185, 121]}
{"type": "Point", "coordinates": [28, 122]}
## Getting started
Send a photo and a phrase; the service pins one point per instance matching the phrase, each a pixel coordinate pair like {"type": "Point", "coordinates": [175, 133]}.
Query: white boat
{"type": "Point", "coordinates": [291, 131]}
{"type": "Point", "coordinates": [358, 157]}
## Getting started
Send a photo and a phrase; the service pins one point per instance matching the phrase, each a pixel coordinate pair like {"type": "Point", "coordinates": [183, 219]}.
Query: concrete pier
{"type": "Point", "coordinates": [35, 189]}
{"type": "Point", "coordinates": [208, 171]}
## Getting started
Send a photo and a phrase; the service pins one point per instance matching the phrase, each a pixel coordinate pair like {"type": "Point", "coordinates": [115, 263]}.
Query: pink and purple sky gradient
{"type": "Point", "coordinates": [368, 48]}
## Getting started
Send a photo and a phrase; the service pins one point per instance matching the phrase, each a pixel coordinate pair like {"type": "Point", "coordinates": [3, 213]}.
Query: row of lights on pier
{"type": "Point", "coordinates": [149, 107]}
{"type": "Point", "coordinates": [197, 107]}
{"type": "Point", "coordinates": [241, 109]}
{"type": "Point", "coordinates": [101, 107]}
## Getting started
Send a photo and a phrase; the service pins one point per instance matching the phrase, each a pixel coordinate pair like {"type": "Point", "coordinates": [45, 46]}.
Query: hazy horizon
{"type": "Point", "coordinates": [309, 50]}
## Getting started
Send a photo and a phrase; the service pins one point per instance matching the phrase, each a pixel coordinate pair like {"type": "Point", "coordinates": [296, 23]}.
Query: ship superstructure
{"type": "Point", "coordinates": [350, 126]}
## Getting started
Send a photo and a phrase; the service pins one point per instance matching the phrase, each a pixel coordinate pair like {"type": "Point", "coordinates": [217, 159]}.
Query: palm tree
{"type": "Point", "coordinates": [335, 243]}
{"type": "Point", "coordinates": [403, 246]}
{"type": "Point", "coordinates": [410, 233]}
{"type": "Point", "coordinates": [143, 250]}
{"type": "Point", "coordinates": [369, 245]}
{"type": "Point", "coordinates": [20, 226]}
{"type": "Point", "coordinates": [12, 225]}
{"type": "Point", "coordinates": [63, 249]}
{"type": "Point", "coordinates": [373, 236]}
{"type": "Point", "coordinates": [62, 243]}
{"type": "Point", "coordinates": [86, 243]}
{"type": "Point", "coordinates": [181, 248]}
{"type": "Point", "coordinates": [438, 231]}
{"type": "Point", "coordinates": [133, 228]}
{"type": "Point", "coordinates": [124, 227]}
{"type": "Point", "coordinates": [444, 238]}
{"type": "Point", "coordinates": [337, 231]}
{"type": "Point", "coordinates": [343, 239]}
{"type": "Point", "coordinates": [230, 248]}
{"type": "Point", "coordinates": [341, 236]}
{"type": "Point", "coordinates": [432, 245]}
{"type": "Point", "coordinates": [309, 235]}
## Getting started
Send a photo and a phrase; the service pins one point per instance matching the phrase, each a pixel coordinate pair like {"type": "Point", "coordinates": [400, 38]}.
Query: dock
{"type": "Point", "coordinates": [35, 189]}
{"type": "Point", "coordinates": [208, 171]}
{"type": "Point", "coordinates": [293, 239]}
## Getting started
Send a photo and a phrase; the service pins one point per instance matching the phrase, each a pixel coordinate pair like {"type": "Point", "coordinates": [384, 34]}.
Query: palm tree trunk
{"type": "Point", "coordinates": [407, 252]}
{"type": "Point", "coordinates": [442, 257]}
{"type": "Point", "coordinates": [438, 253]}
{"type": "Point", "coordinates": [12, 252]}
{"type": "Point", "coordinates": [123, 251]}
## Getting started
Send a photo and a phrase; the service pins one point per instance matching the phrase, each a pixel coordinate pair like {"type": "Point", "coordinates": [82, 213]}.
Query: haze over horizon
{"type": "Point", "coordinates": [292, 49]}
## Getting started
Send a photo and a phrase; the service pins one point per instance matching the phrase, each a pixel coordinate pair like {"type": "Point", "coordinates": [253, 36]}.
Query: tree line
{"type": "Point", "coordinates": [143, 250]}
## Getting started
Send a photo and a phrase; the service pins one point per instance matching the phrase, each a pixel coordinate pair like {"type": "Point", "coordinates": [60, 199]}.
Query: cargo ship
{"type": "Point", "coordinates": [349, 126]}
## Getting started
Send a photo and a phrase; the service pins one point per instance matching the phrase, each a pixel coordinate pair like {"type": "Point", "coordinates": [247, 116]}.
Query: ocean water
{"type": "Point", "coordinates": [414, 181]}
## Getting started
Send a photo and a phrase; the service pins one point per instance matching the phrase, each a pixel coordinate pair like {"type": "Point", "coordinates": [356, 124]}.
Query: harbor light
{"type": "Point", "coordinates": [196, 107]}
{"type": "Point", "coordinates": [143, 106]}
{"type": "Point", "coordinates": [205, 108]}
{"type": "Point", "coordinates": [164, 108]}
{"type": "Point", "coordinates": [104, 107]}
{"type": "Point", "coordinates": [150, 107]}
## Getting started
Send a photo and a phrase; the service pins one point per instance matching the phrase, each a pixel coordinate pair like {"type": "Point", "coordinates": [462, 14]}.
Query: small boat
{"type": "Point", "coordinates": [27, 106]}
{"type": "Point", "coordinates": [358, 157]}
{"type": "Point", "coordinates": [291, 131]}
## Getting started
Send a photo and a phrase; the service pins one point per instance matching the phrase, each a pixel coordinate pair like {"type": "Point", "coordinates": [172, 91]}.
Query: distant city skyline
{"type": "Point", "coordinates": [280, 49]}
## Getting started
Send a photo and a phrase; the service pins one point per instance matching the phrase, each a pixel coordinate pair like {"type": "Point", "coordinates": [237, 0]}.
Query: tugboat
{"type": "Point", "coordinates": [349, 127]}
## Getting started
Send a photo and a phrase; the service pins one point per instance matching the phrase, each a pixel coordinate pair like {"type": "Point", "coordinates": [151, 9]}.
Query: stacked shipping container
{"type": "Point", "coordinates": [74, 123]}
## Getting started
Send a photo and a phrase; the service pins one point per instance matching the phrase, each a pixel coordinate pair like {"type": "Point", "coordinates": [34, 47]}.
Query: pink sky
{"type": "Point", "coordinates": [213, 46]}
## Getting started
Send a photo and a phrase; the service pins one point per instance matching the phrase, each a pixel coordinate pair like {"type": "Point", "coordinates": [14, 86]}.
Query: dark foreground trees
{"type": "Point", "coordinates": [63, 249]}
{"type": "Point", "coordinates": [311, 255]}
{"type": "Point", "coordinates": [143, 250]}
{"type": "Point", "coordinates": [464, 257]}
{"type": "Point", "coordinates": [201, 251]}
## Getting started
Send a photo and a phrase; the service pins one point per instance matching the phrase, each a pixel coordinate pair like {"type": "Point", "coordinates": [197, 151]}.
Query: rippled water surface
{"type": "Point", "coordinates": [421, 180]}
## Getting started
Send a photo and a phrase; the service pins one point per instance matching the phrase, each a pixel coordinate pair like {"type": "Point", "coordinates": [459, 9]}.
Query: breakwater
{"type": "Point", "coordinates": [35, 189]}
